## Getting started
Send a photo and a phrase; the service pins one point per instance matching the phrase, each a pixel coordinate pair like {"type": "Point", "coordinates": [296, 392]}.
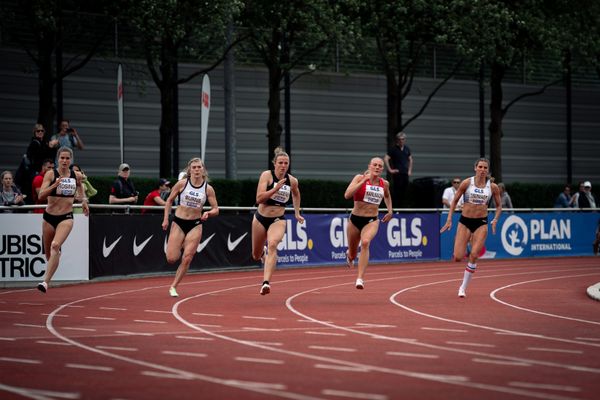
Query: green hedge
{"type": "Point", "coordinates": [330, 194]}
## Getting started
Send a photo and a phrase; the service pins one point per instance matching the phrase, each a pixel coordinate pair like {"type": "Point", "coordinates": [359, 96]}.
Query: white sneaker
{"type": "Point", "coordinates": [461, 292]}
{"type": "Point", "coordinates": [173, 292]}
{"type": "Point", "coordinates": [265, 289]}
{"type": "Point", "coordinates": [42, 287]}
{"type": "Point", "coordinates": [360, 284]}
{"type": "Point", "coordinates": [349, 262]}
{"type": "Point", "coordinates": [263, 257]}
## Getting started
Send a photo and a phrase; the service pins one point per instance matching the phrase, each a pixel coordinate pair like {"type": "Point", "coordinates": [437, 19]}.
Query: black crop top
{"type": "Point", "coordinates": [67, 187]}
{"type": "Point", "coordinates": [283, 196]}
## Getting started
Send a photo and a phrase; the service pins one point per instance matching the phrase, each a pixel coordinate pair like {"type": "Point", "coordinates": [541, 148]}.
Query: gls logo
{"type": "Point", "coordinates": [289, 242]}
{"type": "Point", "coordinates": [399, 236]}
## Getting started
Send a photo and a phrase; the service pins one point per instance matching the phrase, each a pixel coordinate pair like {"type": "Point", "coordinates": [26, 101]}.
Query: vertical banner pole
{"type": "Point", "coordinates": [120, 108]}
{"type": "Point", "coordinates": [204, 113]}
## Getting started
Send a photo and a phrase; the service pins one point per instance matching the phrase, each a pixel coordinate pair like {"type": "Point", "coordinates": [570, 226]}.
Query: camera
{"type": "Point", "coordinates": [70, 130]}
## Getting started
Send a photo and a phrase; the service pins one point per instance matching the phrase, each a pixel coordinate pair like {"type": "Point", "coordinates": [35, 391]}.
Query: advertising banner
{"type": "Point", "coordinates": [533, 235]}
{"type": "Point", "coordinates": [22, 252]}
{"type": "Point", "coordinates": [322, 240]}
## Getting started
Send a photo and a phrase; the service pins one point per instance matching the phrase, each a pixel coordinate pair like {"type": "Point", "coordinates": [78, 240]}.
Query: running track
{"type": "Point", "coordinates": [526, 330]}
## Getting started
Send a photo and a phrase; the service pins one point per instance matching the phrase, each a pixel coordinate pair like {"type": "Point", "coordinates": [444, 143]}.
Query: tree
{"type": "Point", "coordinates": [404, 31]}
{"type": "Point", "coordinates": [46, 28]}
{"type": "Point", "coordinates": [170, 30]}
{"type": "Point", "coordinates": [285, 34]}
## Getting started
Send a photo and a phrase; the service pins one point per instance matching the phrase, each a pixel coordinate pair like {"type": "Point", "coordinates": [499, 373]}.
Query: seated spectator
{"type": "Point", "coordinates": [36, 185]}
{"type": "Point", "coordinates": [449, 193]}
{"type": "Point", "coordinates": [123, 191]}
{"type": "Point", "coordinates": [10, 195]}
{"type": "Point", "coordinates": [504, 197]}
{"type": "Point", "coordinates": [89, 190]}
{"type": "Point", "coordinates": [575, 198]}
{"type": "Point", "coordinates": [586, 199]}
{"type": "Point", "coordinates": [66, 137]}
{"type": "Point", "coordinates": [564, 198]}
{"type": "Point", "coordinates": [157, 197]}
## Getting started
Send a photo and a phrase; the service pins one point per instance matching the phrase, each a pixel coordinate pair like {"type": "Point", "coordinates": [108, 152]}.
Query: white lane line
{"type": "Point", "coordinates": [20, 360]}
{"type": "Point", "coordinates": [208, 326]}
{"type": "Point", "coordinates": [29, 326]}
{"type": "Point", "coordinates": [74, 306]}
{"type": "Point", "coordinates": [145, 321]}
{"type": "Point", "coordinates": [134, 333]}
{"type": "Point", "coordinates": [259, 360]}
{"type": "Point", "coordinates": [314, 322]}
{"type": "Point", "coordinates": [325, 333]}
{"type": "Point", "coordinates": [367, 325]}
{"type": "Point", "coordinates": [207, 315]}
{"type": "Point", "coordinates": [183, 353]}
{"type": "Point", "coordinates": [90, 367]}
{"type": "Point", "coordinates": [500, 362]}
{"type": "Point", "coordinates": [341, 368]}
{"type": "Point", "coordinates": [343, 349]}
{"type": "Point", "coordinates": [353, 395]}
{"type": "Point", "coordinates": [57, 315]}
{"type": "Point", "coordinates": [555, 350]}
{"type": "Point", "coordinates": [591, 339]}
{"type": "Point", "coordinates": [251, 317]}
{"type": "Point", "coordinates": [261, 385]}
{"type": "Point", "coordinates": [8, 339]}
{"type": "Point", "coordinates": [417, 355]}
{"type": "Point", "coordinates": [253, 328]}
{"type": "Point", "coordinates": [54, 343]}
{"type": "Point", "coordinates": [11, 312]}
{"type": "Point", "coordinates": [40, 394]}
{"type": "Point", "coordinates": [166, 375]}
{"type": "Point", "coordinates": [158, 311]}
{"type": "Point", "coordinates": [425, 328]}
{"type": "Point", "coordinates": [75, 328]}
{"type": "Point", "coordinates": [117, 348]}
{"type": "Point", "coordinates": [471, 344]}
{"type": "Point", "coordinates": [113, 308]}
{"type": "Point", "coordinates": [531, 385]}
{"type": "Point", "coordinates": [265, 343]}
{"type": "Point", "coordinates": [31, 304]}
{"type": "Point", "coordinates": [102, 318]}
{"type": "Point", "coordinates": [194, 337]}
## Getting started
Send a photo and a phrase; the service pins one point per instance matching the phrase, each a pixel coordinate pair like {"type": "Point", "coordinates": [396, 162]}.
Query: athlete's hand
{"type": "Point", "coordinates": [447, 226]}
{"type": "Point", "coordinates": [386, 217]}
{"type": "Point", "coordinates": [299, 218]}
{"type": "Point", "coordinates": [279, 184]}
{"type": "Point", "coordinates": [165, 224]}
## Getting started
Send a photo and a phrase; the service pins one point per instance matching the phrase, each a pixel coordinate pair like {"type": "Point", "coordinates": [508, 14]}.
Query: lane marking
{"type": "Point", "coordinates": [259, 360]}
{"type": "Point", "coordinates": [20, 360]}
{"type": "Point", "coordinates": [444, 329]}
{"type": "Point", "coordinates": [588, 338]}
{"type": "Point", "coordinates": [90, 367]}
{"type": "Point", "coordinates": [102, 318]}
{"type": "Point", "coordinates": [113, 308]}
{"type": "Point", "coordinates": [194, 337]}
{"type": "Point", "coordinates": [207, 315]}
{"type": "Point", "coordinates": [58, 315]}
{"type": "Point", "coordinates": [208, 326]}
{"type": "Point", "coordinates": [367, 325]}
{"type": "Point", "coordinates": [135, 333]}
{"type": "Point", "coordinates": [31, 304]}
{"type": "Point", "coordinates": [75, 328]}
{"type": "Point", "coordinates": [29, 326]}
{"type": "Point", "coordinates": [337, 367]}
{"type": "Point", "coordinates": [471, 344]}
{"type": "Point", "coordinates": [353, 395]}
{"type": "Point", "coordinates": [11, 312]}
{"type": "Point", "coordinates": [166, 375]}
{"type": "Point", "coordinates": [183, 353]}
{"type": "Point", "coordinates": [251, 317]}
{"type": "Point", "coordinates": [342, 349]}
{"type": "Point", "coordinates": [500, 362]}
{"type": "Point", "coordinates": [145, 321]}
{"type": "Point", "coordinates": [117, 348]}
{"type": "Point", "coordinates": [158, 311]}
{"type": "Point", "coordinates": [53, 343]}
{"type": "Point", "coordinates": [325, 333]}
{"type": "Point", "coordinates": [531, 385]}
{"type": "Point", "coordinates": [256, 329]}
{"type": "Point", "coordinates": [555, 350]}
{"type": "Point", "coordinates": [39, 394]}
{"type": "Point", "coordinates": [8, 339]}
{"type": "Point", "coordinates": [404, 354]}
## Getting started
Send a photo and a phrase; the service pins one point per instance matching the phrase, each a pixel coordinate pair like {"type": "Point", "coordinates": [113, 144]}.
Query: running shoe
{"type": "Point", "coordinates": [360, 284]}
{"type": "Point", "coordinates": [461, 292]}
{"type": "Point", "coordinates": [263, 257]}
{"type": "Point", "coordinates": [265, 289]}
{"type": "Point", "coordinates": [42, 287]}
{"type": "Point", "coordinates": [349, 262]}
{"type": "Point", "coordinates": [173, 292]}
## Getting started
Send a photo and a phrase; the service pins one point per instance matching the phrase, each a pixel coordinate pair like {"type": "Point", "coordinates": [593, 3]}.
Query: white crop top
{"type": "Point", "coordinates": [193, 197]}
{"type": "Point", "coordinates": [478, 196]}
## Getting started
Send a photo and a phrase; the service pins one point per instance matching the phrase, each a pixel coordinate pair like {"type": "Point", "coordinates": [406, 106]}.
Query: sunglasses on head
{"type": "Point", "coordinates": [40, 130]}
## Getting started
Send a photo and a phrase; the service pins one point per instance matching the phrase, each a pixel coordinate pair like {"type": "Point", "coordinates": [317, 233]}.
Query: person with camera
{"type": "Point", "coordinates": [123, 191]}
{"type": "Point", "coordinates": [67, 136]}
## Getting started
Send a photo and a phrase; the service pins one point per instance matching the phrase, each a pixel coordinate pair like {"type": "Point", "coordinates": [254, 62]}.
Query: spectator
{"type": "Point", "coordinates": [10, 195]}
{"type": "Point", "coordinates": [66, 137]}
{"type": "Point", "coordinates": [32, 161]}
{"type": "Point", "coordinates": [586, 198]}
{"type": "Point", "coordinates": [399, 163]}
{"type": "Point", "coordinates": [504, 198]}
{"type": "Point", "coordinates": [88, 190]}
{"type": "Point", "coordinates": [449, 194]}
{"type": "Point", "coordinates": [596, 244]}
{"type": "Point", "coordinates": [36, 185]}
{"type": "Point", "coordinates": [575, 197]}
{"type": "Point", "coordinates": [123, 191]}
{"type": "Point", "coordinates": [157, 196]}
{"type": "Point", "coordinates": [564, 198]}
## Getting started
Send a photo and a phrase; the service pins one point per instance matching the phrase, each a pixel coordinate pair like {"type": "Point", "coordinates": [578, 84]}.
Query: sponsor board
{"type": "Point", "coordinates": [22, 252]}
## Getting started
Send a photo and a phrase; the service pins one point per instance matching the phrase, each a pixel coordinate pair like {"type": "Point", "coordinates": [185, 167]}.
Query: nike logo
{"type": "Point", "coordinates": [138, 249]}
{"type": "Point", "coordinates": [232, 245]}
{"type": "Point", "coordinates": [202, 245]}
{"type": "Point", "coordinates": [107, 250]}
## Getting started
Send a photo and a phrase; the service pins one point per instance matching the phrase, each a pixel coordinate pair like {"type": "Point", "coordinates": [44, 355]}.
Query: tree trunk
{"type": "Point", "coordinates": [496, 116]}
{"type": "Point", "coordinates": [274, 128]}
{"type": "Point", "coordinates": [394, 108]}
{"type": "Point", "coordinates": [46, 108]}
{"type": "Point", "coordinates": [168, 88]}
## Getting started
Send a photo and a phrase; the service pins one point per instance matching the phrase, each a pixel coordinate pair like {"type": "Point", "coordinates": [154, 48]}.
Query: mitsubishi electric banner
{"type": "Point", "coordinates": [22, 253]}
{"type": "Point", "coordinates": [533, 235]}
{"type": "Point", "coordinates": [322, 240]}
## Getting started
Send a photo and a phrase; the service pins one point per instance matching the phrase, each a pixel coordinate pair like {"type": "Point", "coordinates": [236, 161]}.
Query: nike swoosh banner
{"type": "Point", "coordinates": [135, 244]}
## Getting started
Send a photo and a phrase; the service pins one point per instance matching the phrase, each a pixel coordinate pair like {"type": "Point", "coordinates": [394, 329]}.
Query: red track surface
{"type": "Point", "coordinates": [525, 330]}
